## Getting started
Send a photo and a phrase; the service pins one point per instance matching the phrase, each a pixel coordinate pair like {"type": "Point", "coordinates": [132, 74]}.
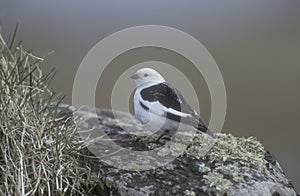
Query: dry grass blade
{"type": "Point", "coordinates": [39, 147]}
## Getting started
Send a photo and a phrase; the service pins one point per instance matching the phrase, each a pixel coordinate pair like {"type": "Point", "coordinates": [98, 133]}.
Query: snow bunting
{"type": "Point", "coordinates": [160, 107]}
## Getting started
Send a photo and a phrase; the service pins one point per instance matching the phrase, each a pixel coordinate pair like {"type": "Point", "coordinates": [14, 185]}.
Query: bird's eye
{"type": "Point", "coordinates": [145, 75]}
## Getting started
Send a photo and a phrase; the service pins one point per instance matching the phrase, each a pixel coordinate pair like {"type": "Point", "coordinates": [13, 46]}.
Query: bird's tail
{"type": "Point", "coordinates": [207, 132]}
{"type": "Point", "coordinates": [203, 129]}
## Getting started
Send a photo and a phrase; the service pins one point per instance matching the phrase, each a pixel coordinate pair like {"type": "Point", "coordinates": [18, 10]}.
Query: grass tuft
{"type": "Point", "coordinates": [40, 153]}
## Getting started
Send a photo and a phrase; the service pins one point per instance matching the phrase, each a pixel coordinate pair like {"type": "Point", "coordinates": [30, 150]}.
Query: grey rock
{"type": "Point", "coordinates": [133, 165]}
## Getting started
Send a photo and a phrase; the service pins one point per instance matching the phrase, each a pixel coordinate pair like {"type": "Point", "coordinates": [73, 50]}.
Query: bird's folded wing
{"type": "Point", "coordinates": [164, 100]}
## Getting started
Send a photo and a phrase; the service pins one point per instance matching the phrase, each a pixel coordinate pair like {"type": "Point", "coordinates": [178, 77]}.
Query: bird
{"type": "Point", "coordinates": [161, 107]}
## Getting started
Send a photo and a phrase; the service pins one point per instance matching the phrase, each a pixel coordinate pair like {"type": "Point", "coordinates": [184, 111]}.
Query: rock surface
{"type": "Point", "coordinates": [133, 164]}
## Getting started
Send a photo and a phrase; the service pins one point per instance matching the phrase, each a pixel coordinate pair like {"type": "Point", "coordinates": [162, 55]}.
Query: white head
{"type": "Point", "coordinates": [146, 75]}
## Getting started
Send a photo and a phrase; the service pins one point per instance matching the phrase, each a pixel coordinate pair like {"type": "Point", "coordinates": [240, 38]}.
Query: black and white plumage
{"type": "Point", "coordinates": [160, 106]}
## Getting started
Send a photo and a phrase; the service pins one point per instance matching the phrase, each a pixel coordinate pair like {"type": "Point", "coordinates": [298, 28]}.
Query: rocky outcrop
{"type": "Point", "coordinates": [187, 164]}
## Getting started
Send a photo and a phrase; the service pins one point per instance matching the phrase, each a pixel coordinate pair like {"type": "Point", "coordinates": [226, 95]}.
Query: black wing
{"type": "Point", "coordinates": [171, 98]}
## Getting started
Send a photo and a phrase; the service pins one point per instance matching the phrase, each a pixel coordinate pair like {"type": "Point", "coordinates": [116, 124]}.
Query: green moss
{"type": "Point", "coordinates": [189, 193]}
{"type": "Point", "coordinates": [226, 162]}
{"type": "Point", "coordinates": [172, 148]}
{"type": "Point", "coordinates": [219, 183]}
{"type": "Point", "coordinates": [245, 152]}
{"type": "Point", "coordinates": [204, 169]}
{"type": "Point", "coordinates": [200, 147]}
{"type": "Point", "coordinates": [232, 171]}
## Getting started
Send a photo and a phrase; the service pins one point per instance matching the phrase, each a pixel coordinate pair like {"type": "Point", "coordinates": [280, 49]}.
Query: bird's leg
{"type": "Point", "coordinates": [158, 140]}
{"type": "Point", "coordinates": [162, 135]}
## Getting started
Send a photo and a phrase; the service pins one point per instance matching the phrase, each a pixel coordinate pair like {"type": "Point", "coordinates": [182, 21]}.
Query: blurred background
{"type": "Point", "coordinates": [256, 45]}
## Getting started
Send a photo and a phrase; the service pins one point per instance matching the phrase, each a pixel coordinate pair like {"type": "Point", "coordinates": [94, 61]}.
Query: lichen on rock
{"type": "Point", "coordinates": [226, 165]}
{"type": "Point", "coordinates": [229, 161]}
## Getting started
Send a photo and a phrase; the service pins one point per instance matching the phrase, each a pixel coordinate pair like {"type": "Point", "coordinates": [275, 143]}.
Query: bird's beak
{"type": "Point", "coordinates": [134, 76]}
